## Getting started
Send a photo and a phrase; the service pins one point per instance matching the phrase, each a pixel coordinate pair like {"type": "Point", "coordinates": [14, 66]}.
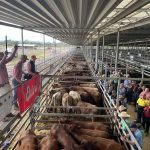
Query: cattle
{"type": "Point", "coordinates": [28, 141]}
{"type": "Point", "coordinates": [92, 125]}
{"type": "Point", "coordinates": [93, 133]}
{"type": "Point", "coordinates": [67, 100]}
{"type": "Point", "coordinates": [101, 143]}
{"type": "Point", "coordinates": [57, 99]}
{"type": "Point", "coordinates": [63, 137]}
{"type": "Point", "coordinates": [88, 108]}
{"type": "Point", "coordinates": [93, 92]}
{"type": "Point", "coordinates": [49, 143]}
{"type": "Point", "coordinates": [75, 96]}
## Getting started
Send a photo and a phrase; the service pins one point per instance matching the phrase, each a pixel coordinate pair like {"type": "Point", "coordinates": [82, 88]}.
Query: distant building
{"type": "Point", "coordinates": [27, 46]}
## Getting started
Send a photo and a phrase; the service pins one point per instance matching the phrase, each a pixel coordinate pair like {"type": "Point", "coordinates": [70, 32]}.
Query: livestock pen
{"type": "Point", "coordinates": [91, 116]}
{"type": "Point", "coordinates": [100, 35]}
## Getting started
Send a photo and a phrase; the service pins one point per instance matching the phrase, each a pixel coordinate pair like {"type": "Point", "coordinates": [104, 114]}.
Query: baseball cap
{"type": "Point", "coordinates": [133, 125]}
{"type": "Point", "coordinates": [33, 57]}
{"type": "Point", "coordinates": [24, 57]}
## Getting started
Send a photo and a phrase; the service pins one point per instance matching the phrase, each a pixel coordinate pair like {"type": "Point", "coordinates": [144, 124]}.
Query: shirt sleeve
{"type": "Point", "coordinates": [29, 68]}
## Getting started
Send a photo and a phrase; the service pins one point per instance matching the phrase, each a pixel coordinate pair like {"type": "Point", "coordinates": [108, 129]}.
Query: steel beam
{"type": "Point", "coordinates": [103, 52]}
{"type": "Point", "coordinates": [22, 41]}
{"type": "Point", "coordinates": [44, 46]}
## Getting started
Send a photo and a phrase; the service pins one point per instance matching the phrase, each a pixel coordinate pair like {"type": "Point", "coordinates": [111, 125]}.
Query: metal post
{"type": "Point", "coordinates": [126, 68]}
{"type": "Point", "coordinates": [22, 41]}
{"type": "Point", "coordinates": [97, 52]}
{"type": "Point", "coordinates": [117, 50]}
{"type": "Point", "coordinates": [142, 72]}
{"type": "Point", "coordinates": [117, 101]}
{"type": "Point", "coordinates": [103, 53]}
{"type": "Point", "coordinates": [89, 54]}
{"type": "Point", "coordinates": [91, 49]}
{"type": "Point", "coordinates": [55, 47]}
{"type": "Point", "coordinates": [44, 46]}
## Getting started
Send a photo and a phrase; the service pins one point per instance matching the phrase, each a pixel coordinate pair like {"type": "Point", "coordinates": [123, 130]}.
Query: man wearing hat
{"type": "Point", "coordinates": [125, 120]}
{"type": "Point", "coordinates": [31, 68]}
{"type": "Point", "coordinates": [17, 75]}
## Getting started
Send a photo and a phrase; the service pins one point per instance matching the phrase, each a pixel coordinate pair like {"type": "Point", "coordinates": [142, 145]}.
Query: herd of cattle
{"type": "Point", "coordinates": [73, 134]}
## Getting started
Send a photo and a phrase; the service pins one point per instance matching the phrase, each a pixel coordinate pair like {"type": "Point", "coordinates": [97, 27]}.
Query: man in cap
{"type": "Point", "coordinates": [31, 68]}
{"type": "Point", "coordinates": [4, 81]}
{"type": "Point", "coordinates": [17, 75]}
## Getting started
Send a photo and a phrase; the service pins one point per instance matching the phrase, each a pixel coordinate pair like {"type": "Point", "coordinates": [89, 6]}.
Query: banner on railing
{"type": "Point", "coordinates": [28, 92]}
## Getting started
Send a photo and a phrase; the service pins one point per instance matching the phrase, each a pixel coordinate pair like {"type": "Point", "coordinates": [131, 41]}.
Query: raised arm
{"type": "Point", "coordinates": [13, 54]}
{"type": "Point", "coordinates": [3, 60]}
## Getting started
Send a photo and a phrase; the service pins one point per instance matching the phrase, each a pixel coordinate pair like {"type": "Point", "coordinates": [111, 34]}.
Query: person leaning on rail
{"type": "Point", "coordinates": [31, 68]}
{"type": "Point", "coordinates": [4, 81]}
{"type": "Point", "coordinates": [17, 75]}
{"type": "Point", "coordinates": [137, 134]}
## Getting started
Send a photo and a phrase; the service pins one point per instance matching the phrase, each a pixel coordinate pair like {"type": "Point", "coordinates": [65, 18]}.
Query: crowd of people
{"type": "Point", "coordinates": [136, 94]}
{"type": "Point", "coordinates": [19, 76]}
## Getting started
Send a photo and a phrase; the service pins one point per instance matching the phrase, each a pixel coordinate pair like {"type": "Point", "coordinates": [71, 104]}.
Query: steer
{"type": "Point", "coordinates": [28, 141]}
{"type": "Point", "coordinates": [49, 143]}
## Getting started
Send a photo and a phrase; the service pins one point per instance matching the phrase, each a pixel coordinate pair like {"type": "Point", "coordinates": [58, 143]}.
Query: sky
{"type": "Point", "coordinates": [15, 34]}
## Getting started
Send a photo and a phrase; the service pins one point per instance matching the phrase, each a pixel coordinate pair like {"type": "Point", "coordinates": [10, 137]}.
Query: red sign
{"type": "Point", "coordinates": [28, 92]}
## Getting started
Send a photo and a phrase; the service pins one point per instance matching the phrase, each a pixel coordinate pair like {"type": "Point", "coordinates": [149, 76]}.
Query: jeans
{"type": "Point", "coordinates": [140, 114]}
{"type": "Point", "coordinates": [14, 84]}
{"type": "Point", "coordinates": [147, 122]}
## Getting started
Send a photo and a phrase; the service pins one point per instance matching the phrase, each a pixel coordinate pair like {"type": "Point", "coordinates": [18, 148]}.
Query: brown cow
{"type": "Point", "coordinates": [93, 133]}
{"type": "Point", "coordinates": [90, 109]}
{"type": "Point", "coordinates": [63, 137]}
{"type": "Point", "coordinates": [49, 143]}
{"type": "Point", "coordinates": [102, 143]}
{"type": "Point", "coordinates": [92, 125]}
{"type": "Point", "coordinates": [28, 141]}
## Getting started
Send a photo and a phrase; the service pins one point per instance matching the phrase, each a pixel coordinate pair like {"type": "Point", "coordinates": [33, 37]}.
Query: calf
{"type": "Point", "coordinates": [89, 108]}
{"type": "Point", "coordinates": [49, 143]}
{"type": "Point", "coordinates": [67, 100]}
{"type": "Point", "coordinates": [63, 137]}
{"type": "Point", "coordinates": [92, 125]}
{"type": "Point", "coordinates": [93, 133]}
{"type": "Point", "coordinates": [75, 96]}
{"type": "Point", "coordinates": [102, 143]}
{"type": "Point", "coordinates": [28, 141]}
{"type": "Point", "coordinates": [57, 99]}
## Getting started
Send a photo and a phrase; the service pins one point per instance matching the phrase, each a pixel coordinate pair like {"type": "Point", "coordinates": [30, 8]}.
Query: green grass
{"type": "Point", "coordinates": [39, 54]}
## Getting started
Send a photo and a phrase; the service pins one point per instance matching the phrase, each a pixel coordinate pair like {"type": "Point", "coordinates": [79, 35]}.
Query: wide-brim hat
{"type": "Point", "coordinates": [124, 115]}
{"type": "Point", "coordinates": [122, 108]}
{"type": "Point", "coordinates": [24, 57]}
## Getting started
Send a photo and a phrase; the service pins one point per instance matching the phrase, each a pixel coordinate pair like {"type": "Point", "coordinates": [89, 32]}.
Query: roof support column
{"type": "Point", "coordinates": [44, 46]}
{"type": "Point", "coordinates": [22, 41]}
{"type": "Point", "coordinates": [103, 52]}
{"type": "Point", "coordinates": [117, 50]}
{"type": "Point", "coordinates": [89, 58]}
{"type": "Point", "coordinates": [97, 52]}
{"type": "Point", "coordinates": [142, 72]}
{"type": "Point", "coordinates": [91, 50]}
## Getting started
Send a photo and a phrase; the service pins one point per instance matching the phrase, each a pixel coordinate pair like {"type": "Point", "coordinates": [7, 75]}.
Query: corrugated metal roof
{"type": "Point", "coordinates": [71, 21]}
